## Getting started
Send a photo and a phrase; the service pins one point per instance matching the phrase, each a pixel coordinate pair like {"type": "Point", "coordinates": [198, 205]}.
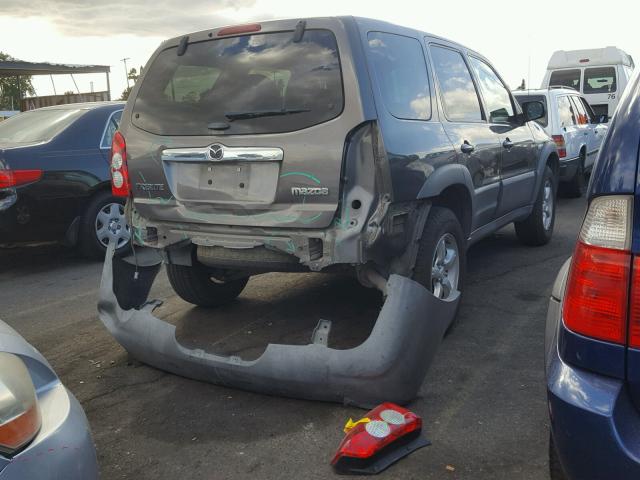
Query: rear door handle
{"type": "Point", "coordinates": [466, 147]}
{"type": "Point", "coordinates": [507, 143]}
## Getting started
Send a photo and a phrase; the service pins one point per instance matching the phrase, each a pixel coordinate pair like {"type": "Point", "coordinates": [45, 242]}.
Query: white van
{"type": "Point", "coordinates": [600, 74]}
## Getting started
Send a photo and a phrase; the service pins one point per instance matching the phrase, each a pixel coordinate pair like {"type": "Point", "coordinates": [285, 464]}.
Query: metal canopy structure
{"type": "Point", "coordinates": [18, 68]}
{"type": "Point", "coordinates": [15, 68]}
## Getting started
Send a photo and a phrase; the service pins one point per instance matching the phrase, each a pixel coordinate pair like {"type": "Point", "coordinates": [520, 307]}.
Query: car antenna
{"type": "Point", "coordinates": [184, 42]}
{"type": "Point", "coordinates": [297, 35]}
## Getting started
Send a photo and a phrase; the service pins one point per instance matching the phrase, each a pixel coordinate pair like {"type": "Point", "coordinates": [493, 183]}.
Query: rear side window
{"type": "Point", "coordinates": [581, 113]}
{"type": "Point", "coordinates": [37, 125]}
{"type": "Point", "coordinates": [565, 78]}
{"type": "Point", "coordinates": [543, 121]}
{"type": "Point", "coordinates": [401, 71]}
{"type": "Point", "coordinates": [495, 94]}
{"type": "Point", "coordinates": [588, 109]}
{"type": "Point", "coordinates": [459, 96]}
{"type": "Point", "coordinates": [565, 111]}
{"type": "Point", "coordinates": [600, 80]}
{"type": "Point", "coordinates": [110, 129]}
{"type": "Point", "coordinates": [263, 83]}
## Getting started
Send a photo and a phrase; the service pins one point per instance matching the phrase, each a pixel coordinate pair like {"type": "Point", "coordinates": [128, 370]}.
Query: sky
{"type": "Point", "coordinates": [518, 37]}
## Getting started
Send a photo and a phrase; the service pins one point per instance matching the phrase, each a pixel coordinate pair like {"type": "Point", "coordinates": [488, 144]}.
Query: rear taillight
{"type": "Point", "coordinates": [120, 185]}
{"type": "Point", "coordinates": [562, 150]}
{"type": "Point", "coordinates": [17, 178]}
{"type": "Point", "coordinates": [596, 297]}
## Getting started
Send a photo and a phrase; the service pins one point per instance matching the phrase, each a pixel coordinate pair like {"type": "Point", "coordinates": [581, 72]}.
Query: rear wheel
{"type": "Point", "coordinates": [104, 220]}
{"type": "Point", "coordinates": [576, 187]}
{"type": "Point", "coordinates": [440, 263]}
{"type": "Point", "coordinates": [195, 284]}
{"type": "Point", "coordinates": [537, 228]}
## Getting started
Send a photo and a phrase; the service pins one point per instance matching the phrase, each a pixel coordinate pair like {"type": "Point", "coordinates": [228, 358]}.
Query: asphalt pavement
{"type": "Point", "coordinates": [482, 402]}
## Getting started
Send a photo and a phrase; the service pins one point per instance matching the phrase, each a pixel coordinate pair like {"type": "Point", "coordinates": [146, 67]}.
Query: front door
{"type": "Point", "coordinates": [517, 168]}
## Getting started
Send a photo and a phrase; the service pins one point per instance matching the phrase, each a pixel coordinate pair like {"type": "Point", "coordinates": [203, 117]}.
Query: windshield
{"type": "Point", "coordinates": [37, 126]}
{"type": "Point", "coordinates": [600, 80]}
{"type": "Point", "coordinates": [565, 78]}
{"type": "Point", "coordinates": [264, 83]}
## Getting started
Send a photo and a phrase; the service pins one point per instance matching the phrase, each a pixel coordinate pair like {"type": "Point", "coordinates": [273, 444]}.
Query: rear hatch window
{"type": "Point", "coordinates": [565, 78]}
{"type": "Point", "coordinates": [544, 121]}
{"type": "Point", "coordinates": [262, 83]}
{"type": "Point", "coordinates": [600, 80]}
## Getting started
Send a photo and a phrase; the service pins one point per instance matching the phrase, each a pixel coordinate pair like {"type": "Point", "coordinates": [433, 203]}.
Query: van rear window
{"type": "Point", "coordinates": [565, 78]}
{"type": "Point", "coordinates": [599, 80]}
{"type": "Point", "coordinates": [263, 83]}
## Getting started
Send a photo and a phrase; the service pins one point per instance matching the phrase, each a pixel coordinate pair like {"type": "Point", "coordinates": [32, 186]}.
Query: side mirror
{"type": "Point", "coordinates": [602, 119]}
{"type": "Point", "coordinates": [533, 110]}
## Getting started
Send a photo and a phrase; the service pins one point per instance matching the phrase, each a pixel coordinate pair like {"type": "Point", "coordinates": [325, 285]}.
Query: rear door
{"type": "Point", "coordinates": [583, 128]}
{"type": "Point", "coordinates": [242, 127]}
{"type": "Point", "coordinates": [568, 122]}
{"type": "Point", "coordinates": [598, 132]}
{"type": "Point", "coordinates": [464, 121]}
{"type": "Point", "coordinates": [519, 155]}
{"type": "Point", "coordinates": [600, 88]}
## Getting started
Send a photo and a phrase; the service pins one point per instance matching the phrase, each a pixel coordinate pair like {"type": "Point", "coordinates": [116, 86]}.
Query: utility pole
{"type": "Point", "coordinates": [126, 71]}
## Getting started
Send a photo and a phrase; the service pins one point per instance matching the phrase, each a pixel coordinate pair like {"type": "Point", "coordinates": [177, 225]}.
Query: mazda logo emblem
{"type": "Point", "coordinates": [216, 152]}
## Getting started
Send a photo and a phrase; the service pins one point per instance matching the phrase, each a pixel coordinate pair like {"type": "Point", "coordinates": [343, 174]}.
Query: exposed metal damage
{"type": "Point", "coordinates": [389, 365]}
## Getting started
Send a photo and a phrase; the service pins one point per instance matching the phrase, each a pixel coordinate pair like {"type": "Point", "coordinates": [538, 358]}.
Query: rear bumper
{"type": "Point", "coordinates": [62, 449]}
{"type": "Point", "coordinates": [568, 168]}
{"type": "Point", "coordinates": [389, 366]}
{"type": "Point", "coordinates": [595, 427]}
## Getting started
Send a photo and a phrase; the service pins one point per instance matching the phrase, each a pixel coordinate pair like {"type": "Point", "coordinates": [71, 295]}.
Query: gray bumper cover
{"type": "Point", "coordinates": [389, 365]}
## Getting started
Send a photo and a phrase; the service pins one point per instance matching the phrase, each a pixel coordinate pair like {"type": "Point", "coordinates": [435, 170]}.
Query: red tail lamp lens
{"type": "Point", "coordinates": [120, 186]}
{"type": "Point", "coordinates": [634, 313]}
{"type": "Point", "coordinates": [562, 150]}
{"type": "Point", "coordinates": [595, 302]}
{"type": "Point", "coordinates": [17, 178]}
{"type": "Point", "coordinates": [386, 434]}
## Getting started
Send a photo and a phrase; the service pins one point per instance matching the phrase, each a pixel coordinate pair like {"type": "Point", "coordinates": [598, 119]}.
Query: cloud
{"type": "Point", "coordinates": [163, 18]}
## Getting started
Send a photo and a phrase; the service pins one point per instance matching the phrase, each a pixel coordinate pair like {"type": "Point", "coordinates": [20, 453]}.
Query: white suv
{"type": "Point", "coordinates": [578, 133]}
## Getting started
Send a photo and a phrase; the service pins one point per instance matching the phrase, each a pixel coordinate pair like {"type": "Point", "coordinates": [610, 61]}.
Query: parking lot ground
{"type": "Point", "coordinates": [483, 401]}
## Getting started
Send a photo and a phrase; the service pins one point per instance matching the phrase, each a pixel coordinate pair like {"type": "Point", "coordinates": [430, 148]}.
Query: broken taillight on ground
{"type": "Point", "coordinates": [382, 437]}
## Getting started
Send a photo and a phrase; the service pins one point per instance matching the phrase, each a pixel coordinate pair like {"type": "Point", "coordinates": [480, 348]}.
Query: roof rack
{"type": "Point", "coordinates": [554, 87]}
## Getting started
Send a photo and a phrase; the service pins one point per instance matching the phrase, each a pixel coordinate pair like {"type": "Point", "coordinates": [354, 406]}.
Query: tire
{"type": "Point", "coordinates": [535, 230]}
{"type": "Point", "coordinates": [576, 187]}
{"type": "Point", "coordinates": [555, 467]}
{"type": "Point", "coordinates": [103, 219]}
{"type": "Point", "coordinates": [441, 226]}
{"type": "Point", "coordinates": [195, 285]}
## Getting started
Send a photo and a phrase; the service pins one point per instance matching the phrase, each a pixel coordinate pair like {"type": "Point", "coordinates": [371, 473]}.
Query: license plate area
{"type": "Point", "coordinates": [228, 182]}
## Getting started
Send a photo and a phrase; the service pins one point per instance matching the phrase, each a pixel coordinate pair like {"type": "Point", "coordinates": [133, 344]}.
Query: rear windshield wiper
{"type": "Point", "coordinates": [263, 113]}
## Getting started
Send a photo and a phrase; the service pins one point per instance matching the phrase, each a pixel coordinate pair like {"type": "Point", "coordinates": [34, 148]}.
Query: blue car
{"type": "Point", "coordinates": [593, 324]}
{"type": "Point", "coordinates": [55, 180]}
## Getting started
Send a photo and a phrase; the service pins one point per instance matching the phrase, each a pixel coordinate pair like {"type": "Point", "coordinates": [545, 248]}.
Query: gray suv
{"type": "Point", "coordinates": [325, 144]}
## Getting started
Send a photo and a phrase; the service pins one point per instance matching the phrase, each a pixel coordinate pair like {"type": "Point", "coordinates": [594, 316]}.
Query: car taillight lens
{"type": "Point", "coordinates": [562, 150]}
{"type": "Point", "coordinates": [376, 434]}
{"type": "Point", "coordinates": [17, 178]}
{"type": "Point", "coordinates": [596, 297]}
{"type": "Point", "coordinates": [120, 186]}
{"type": "Point", "coordinates": [19, 414]}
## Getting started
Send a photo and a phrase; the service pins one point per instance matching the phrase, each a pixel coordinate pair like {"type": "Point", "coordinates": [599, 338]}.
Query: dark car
{"type": "Point", "coordinates": [593, 323]}
{"type": "Point", "coordinates": [54, 177]}
{"type": "Point", "coordinates": [322, 144]}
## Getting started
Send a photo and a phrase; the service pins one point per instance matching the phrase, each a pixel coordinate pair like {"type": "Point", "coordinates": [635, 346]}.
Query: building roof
{"type": "Point", "coordinates": [13, 68]}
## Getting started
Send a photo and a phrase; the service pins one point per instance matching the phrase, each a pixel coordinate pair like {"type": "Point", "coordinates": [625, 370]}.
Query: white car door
{"type": "Point", "coordinates": [585, 130]}
{"type": "Point", "coordinates": [568, 121]}
{"type": "Point", "coordinates": [597, 134]}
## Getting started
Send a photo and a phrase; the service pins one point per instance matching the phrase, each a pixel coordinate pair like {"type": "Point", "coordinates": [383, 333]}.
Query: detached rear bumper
{"type": "Point", "coordinates": [389, 366]}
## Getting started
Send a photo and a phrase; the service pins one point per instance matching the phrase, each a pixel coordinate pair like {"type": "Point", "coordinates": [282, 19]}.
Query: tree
{"type": "Point", "coordinates": [10, 88]}
{"type": "Point", "coordinates": [132, 75]}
